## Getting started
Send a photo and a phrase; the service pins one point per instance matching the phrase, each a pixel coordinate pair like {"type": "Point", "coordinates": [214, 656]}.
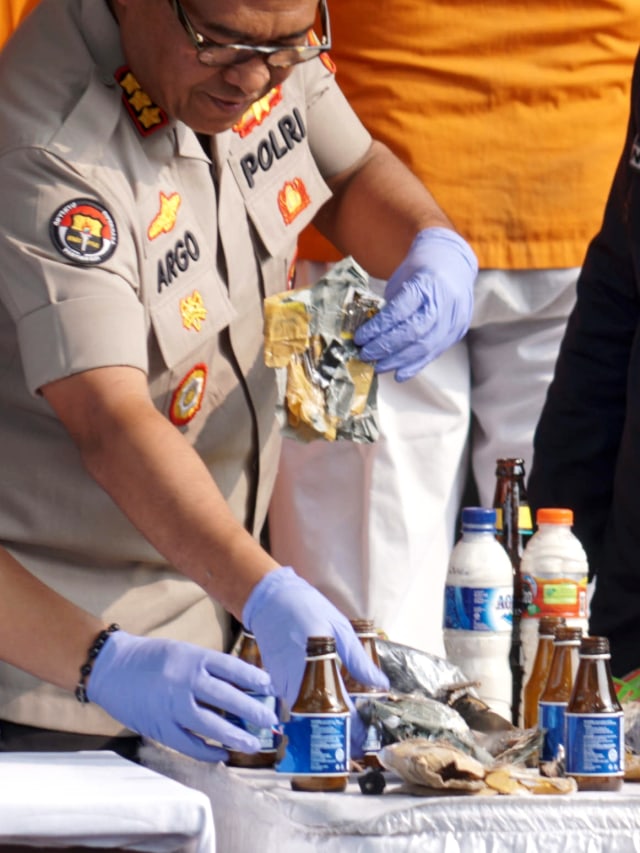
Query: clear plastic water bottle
{"type": "Point", "coordinates": [478, 610]}
{"type": "Point", "coordinates": [554, 571]}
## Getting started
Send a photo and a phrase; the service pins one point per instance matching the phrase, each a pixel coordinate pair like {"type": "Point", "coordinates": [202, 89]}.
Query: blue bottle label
{"type": "Point", "coordinates": [595, 744]}
{"type": "Point", "coordinates": [316, 745]}
{"type": "Point", "coordinates": [551, 717]}
{"type": "Point", "coordinates": [268, 739]}
{"type": "Point", "coordinates": [478, 608]}
{"type": "Point", "coordinates": [373, 741]}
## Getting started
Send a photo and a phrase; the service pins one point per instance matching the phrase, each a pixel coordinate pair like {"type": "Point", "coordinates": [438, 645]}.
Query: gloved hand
{"type": "Point", "coordinates": [282, 611]}
{"type": "Point", "coordinates": [160, 689]}
{"type": "Point", "coordinates": [429, 300]}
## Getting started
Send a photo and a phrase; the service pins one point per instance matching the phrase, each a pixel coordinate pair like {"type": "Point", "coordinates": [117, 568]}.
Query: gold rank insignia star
{"type": "Point", "coordinates": [165, 220]}
{"type": "Point", "coordinates": [147, 116]}
{"type": "Point", "coordinates": [193, 311]}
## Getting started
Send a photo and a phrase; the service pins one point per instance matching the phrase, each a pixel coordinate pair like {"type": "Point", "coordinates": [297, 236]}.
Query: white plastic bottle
{"type": "Point", "coordinates": [554, 572]}
{"type": "Point", "coordinates": [478, 609]}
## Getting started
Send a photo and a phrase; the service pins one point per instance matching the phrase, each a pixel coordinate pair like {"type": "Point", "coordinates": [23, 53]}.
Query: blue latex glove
{"type": "Point", "coordinates": [282, 611]}
{"type": "Point", "coordinates": [429, 300]}
{"type": "Point", "coordinates": [160, 689]}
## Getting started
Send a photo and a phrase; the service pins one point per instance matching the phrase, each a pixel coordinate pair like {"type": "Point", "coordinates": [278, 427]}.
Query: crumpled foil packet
{"type": "Point", "coordinates": [324, 389]}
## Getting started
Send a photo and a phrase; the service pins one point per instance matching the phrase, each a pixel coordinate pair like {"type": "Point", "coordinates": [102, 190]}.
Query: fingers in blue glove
{"type": "Point", "coordinates": [429, 304]}
{"type": "Point", "coordinates": [169, 691]}
{"type": "Point", "coordinates": [282, 611]}
{"type": "Point", "coordinates": [411, 300]}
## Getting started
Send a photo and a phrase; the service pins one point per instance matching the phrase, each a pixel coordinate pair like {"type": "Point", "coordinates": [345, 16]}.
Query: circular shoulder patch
{"type": "Point", "coordinates": [187, 398]}
{"type": "Point", "coordinates": [84, 231]}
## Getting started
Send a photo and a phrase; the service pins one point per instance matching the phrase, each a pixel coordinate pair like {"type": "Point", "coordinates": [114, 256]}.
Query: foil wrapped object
{"type": "Point", "coordinates": [324, 389]}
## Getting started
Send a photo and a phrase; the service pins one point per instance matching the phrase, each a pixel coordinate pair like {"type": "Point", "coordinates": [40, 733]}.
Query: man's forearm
{"type": "Point", "coordinates": [40, 631]}
{"type": "Point", "coordinates": [159, 482]}
{"type": "Point", "coordinates": [397, 207]}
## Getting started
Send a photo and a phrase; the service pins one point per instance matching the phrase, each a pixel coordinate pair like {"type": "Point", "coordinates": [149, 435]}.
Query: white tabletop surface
{"type": "Point", "coordinates": [259, 804]}
{"type": "Point", "coordinates": [98, 799]}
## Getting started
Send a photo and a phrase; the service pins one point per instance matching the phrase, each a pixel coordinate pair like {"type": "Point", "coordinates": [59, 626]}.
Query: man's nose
{"type": "Point", "coordinates": [252, 76]}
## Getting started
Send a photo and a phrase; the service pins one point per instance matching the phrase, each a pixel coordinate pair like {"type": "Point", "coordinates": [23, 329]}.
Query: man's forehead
{"type": "Point", "coordinates": [245, 15]}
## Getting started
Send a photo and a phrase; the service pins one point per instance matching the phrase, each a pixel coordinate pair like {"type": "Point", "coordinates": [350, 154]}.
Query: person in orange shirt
{"type": "Point", "coordinates": [514, 119]}
{"type": "Point", "coordinates": [11, 13]}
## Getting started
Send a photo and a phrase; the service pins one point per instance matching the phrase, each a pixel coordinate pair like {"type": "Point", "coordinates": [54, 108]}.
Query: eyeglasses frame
{"type": "Point", "coordinates": [200, 43]}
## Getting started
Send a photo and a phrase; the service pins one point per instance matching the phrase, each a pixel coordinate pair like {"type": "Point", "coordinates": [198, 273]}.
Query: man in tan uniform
{"type": "Point", "coordinates": [157, 162]}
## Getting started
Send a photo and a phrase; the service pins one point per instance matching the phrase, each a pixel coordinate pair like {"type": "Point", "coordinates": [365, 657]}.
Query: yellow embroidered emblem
{"type": "Point", "coordinates": [193, 311]}
{"type": "Point", "coordinates": [258, 112]}
{"type": "Point", "coordinates": [188, 396]}
{"type": "Point", "coordinates": [147, 116]}
{"type": "Point", "coordinates": [166, 218]}
{"type": "Point", "coordinates": [292, 200]}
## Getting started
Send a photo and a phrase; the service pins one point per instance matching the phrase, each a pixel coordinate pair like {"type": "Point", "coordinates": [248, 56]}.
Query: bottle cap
{"type": "Point", "coordinates": [478, 518]}
{"type": "Point", "coordinates": [506, 465]}
{"type": "Point", "coordinates": [548, 624]}
{"type": "Point", "coordinates": [321, 646]}
{"type": "Point", "coordinates": [567, 634]}
{"type": "Point", "coordinates": [594, 646]}
{"type": "Point", "coordinates": [363, 626]}
{"type": "Point", "coordinates": [554, 515]}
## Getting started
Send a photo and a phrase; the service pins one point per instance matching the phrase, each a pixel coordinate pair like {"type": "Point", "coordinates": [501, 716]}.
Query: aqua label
{"type": "Point", "coordinates": [478, 608]}
{"type": "Point", "coordinates": [316, 745]}
{"type": "Point", "coordinates": [595, 744]}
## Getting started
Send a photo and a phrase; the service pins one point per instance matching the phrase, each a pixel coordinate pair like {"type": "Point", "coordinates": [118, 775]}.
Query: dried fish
{"type": "Point", "coordinates": [514, 746]}
{"type": "Point", "coordinates": [415, 672]}
{"type": "Point", "coordinates": [429, 767]}
{"type": "Point", "coordinates": [433, 765]}
{"type": "Point", "coordinates": [399, 717]}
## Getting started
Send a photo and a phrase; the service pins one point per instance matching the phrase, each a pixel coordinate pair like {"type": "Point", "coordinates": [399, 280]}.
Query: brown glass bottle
{"type": "Point", "coordinates": [594, 722]}
{"type": "Point", "coordinates": [513, 528]}
{"type": "Point", "coordinates": [557, 691]}
{"type": "Point", "coordinates": [365, 630]}
{"type": "Point", "coordinates": [248, 651]}
{"type": "Point", "coordinates": [321, 697]}
{"type": "Point", "coordinates": [540, 672]}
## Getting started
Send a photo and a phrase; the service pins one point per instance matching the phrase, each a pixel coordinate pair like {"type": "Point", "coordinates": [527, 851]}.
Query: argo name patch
{"type": "Point", "coordinates": [84, 231]}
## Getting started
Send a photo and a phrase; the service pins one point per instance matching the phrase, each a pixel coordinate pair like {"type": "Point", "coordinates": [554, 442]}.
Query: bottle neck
{"type": "Point", "coordinates": [478, 532]}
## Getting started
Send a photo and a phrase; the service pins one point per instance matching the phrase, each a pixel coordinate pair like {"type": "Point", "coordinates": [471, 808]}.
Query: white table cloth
{"type": "Point", "coordinates": [98, 799]}
{"type": "Point", "coordinates": [257, 810]}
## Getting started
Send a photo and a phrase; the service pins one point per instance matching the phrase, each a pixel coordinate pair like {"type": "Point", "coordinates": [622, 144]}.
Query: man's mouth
{"type": "Point", "coordinates": [230, 107]}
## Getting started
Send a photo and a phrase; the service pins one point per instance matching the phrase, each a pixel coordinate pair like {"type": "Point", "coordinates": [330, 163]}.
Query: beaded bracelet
{"type": "Point", "coordinates": [87, 666]}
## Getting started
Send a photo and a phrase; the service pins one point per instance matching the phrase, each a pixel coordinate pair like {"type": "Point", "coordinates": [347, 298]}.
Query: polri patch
{"type": "Point", "coordinates": [84, 231]}
{"type": "Point", "coordinates": [188, 396]}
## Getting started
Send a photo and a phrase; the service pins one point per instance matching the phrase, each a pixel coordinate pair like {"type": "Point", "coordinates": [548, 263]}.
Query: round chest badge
{"type": "Point", "coordinates": [84, 231]}
{"type": "Point", "coordinates": [187, 398]}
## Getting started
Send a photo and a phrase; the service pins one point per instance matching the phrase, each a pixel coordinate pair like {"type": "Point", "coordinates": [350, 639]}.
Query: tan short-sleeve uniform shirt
{"type": "Point", "coordinates": [125, 240]}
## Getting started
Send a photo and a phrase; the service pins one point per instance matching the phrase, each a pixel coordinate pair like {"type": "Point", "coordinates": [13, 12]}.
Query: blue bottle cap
{"type": "Point", "coordinates": [478, 518]}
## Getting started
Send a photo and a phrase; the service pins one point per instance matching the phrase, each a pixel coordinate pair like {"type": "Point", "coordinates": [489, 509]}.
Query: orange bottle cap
{"type": "Point", "coordinates": [554, 516]}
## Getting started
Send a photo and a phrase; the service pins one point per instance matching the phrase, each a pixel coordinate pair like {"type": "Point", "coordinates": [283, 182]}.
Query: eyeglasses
{"type": "Point", "coordinates": [211, 53]}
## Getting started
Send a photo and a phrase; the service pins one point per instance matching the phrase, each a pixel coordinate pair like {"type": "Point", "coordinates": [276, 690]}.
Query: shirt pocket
{"type": "Point", "coordinates": [189, 316]}
{"type": "Point", "coordinates": [279, 205]}
{"type": "Point", "coordinates": [185, 325]}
